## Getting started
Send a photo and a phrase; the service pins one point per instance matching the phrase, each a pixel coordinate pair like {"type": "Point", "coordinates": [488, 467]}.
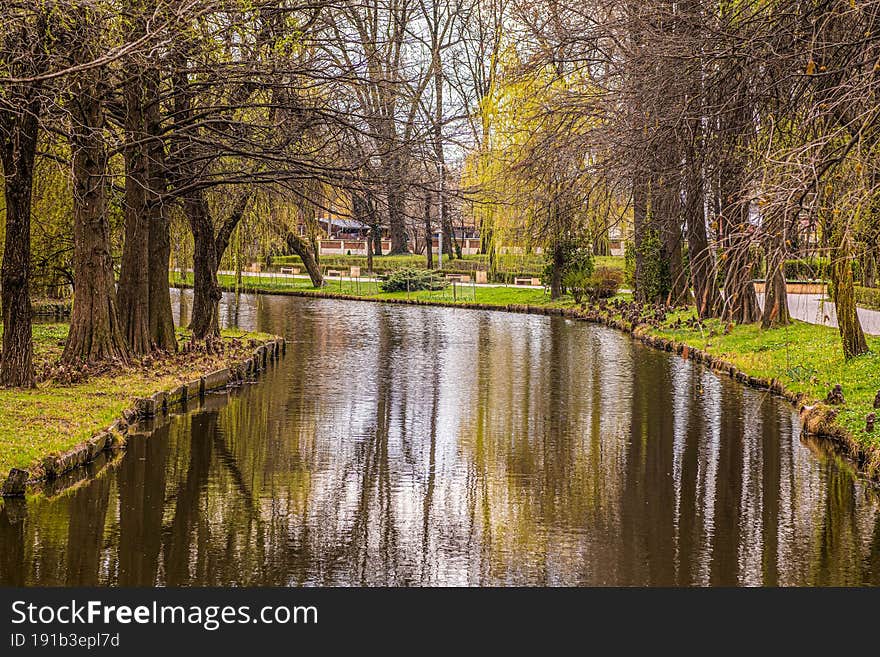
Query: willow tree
{"type": "Point", "coordinates": [836, 222]}
{"type": "Point", "coordinates": [533, 176]}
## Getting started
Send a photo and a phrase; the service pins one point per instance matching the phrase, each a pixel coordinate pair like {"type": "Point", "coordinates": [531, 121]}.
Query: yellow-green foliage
{"type": "Point", "coordinates": [532, 167]}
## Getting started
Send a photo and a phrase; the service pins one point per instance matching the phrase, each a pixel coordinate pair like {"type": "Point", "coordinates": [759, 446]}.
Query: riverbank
{"type": "Point", "coordinates": [802, 362]}
{"type": "Point", "coordinates": [44, 431]}
{"type": "Point", "coordinates": [508, 266]}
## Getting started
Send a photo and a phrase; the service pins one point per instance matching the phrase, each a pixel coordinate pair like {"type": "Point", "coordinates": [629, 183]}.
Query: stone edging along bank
{"type": "Point", "coordinates": [817, 419]}
{"type": "Point", "coordinates": [115, 436]}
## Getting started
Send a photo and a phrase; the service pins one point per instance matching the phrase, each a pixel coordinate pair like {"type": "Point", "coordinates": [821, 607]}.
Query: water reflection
{"type": "Point", "coordinates": [416, 446]}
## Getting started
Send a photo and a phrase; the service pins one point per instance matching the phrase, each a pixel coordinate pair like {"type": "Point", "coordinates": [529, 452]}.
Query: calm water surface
{"type": "Point", "coordinates": [401, 445]}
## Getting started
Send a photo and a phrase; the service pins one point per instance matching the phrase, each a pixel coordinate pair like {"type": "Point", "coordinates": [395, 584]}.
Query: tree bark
{"type": "Point", "coordinates": [848, 324]}
{"type": "Point", "coordinates": [144, 297]}
{"type": "Point", "coordinates": [640, 219]}
{"type": "Point", "coordinates": [702, 265]}
{"type": "Point", "coordinates": [869, 270]}
{"type": "Point", "coordinates": [557, 268]}
{"type": "Point", "coordinates": [775, 311]}
{"type": "Point", "coordinates": [396, 218]}
{"type": "Point", "coordinates": [451, 245]}
{"type": "Point", "coordinates": [19, 132]}
{"type": "Point", "coordinates": [377, 240]}
{"type": "Point", "coordinates": [134, 274]}
{"type": "Point", "coordinates": [206, 288]}
{"type": "Point", "coordinates": [95, 332]}
{"type": "Point", "coordinates": [429, 250]}
{"type": "Point", "coordinates": [302, 248]}
{"type": "Point", "coordinates": [162, 336]}
{"type": "Point", "coordinates": [741, 302]}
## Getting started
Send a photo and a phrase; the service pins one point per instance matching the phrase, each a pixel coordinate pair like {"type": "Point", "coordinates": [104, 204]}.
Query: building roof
{"type": "Point", "coordinates": [341, 223]}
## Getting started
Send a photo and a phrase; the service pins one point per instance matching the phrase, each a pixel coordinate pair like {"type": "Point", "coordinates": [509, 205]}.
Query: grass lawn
{"type": "Point", "coordinates": [508, 264]}
{"type": "Point", "coordinates": [805, 357]}
{"type": "Point", "coordinates": [55, 418]}
{"type": "Point", "coordinates": [614, 262]}
{"type": "Point", "coordinates": [464, 293]}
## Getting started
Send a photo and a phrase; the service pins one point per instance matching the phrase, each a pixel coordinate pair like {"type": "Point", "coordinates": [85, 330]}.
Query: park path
{"type": "Point", "coordinates": [817, 309]}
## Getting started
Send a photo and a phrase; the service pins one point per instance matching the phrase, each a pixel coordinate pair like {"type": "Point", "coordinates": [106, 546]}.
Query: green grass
{"type": "Point", "coordinates": [804, 357]}
{"type": "Point", "coordinates": [55, 418]}
{"type": "Point", "coordinates": [614, 262]}
{"type": "Point", "coordinates": [508, 265]}
{"type": "Point", "coordinates": [500, 296]}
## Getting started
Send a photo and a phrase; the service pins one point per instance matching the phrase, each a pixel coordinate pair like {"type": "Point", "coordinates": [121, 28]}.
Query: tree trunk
{"type": "Point", "coordinates": [396, 220]}
{"type": "Point", "coordinates": [95, 332]}
{"type": "Point", "coordinates": [666, 216]}
{"type": "Point", "coordinates": [640, 219]}
{"type": "Point", "coordinates": [162, 336]}
{"type": "Point", "coordinates": [134, 274]}
{"type": "Point", "coordinates": [741, 303]}
{"type": "Point", "coordinates": [451, 245]}
{"type": "Point", "coordinates": [429, 250]}
{"type": "Point", "coordinates": [557, 269]}
{"type": "Point", "coordinates": [869, 270]}
{"type": "Point", "coordinates": [144, 298]}
{"type": "Point", "coordinates": [206, 288]}
{"type": "Point", "coordinates": [679, 292]}
{"type": "Point", "coordinates": [377, 240]}
{"type": "Point", "coordinates": [851, 334]}
{"type": "Point", "coordinates": [19, 147]}
{"type": "Point", "coordinates": [302, 248]}
{"type": "Point", "coordinates": [740, 300]}
{"type": "Point", "coordinates": [702, 265]}
{"type": "Point", "coordinates": [775, 311]}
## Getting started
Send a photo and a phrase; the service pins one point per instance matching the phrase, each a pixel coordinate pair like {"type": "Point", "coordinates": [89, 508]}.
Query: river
{"type": "Point", "coordinates": [403, 445]}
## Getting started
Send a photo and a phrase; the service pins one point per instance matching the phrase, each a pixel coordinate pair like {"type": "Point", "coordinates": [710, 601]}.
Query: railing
{"type": "Point", "coordinates": [469, 246]}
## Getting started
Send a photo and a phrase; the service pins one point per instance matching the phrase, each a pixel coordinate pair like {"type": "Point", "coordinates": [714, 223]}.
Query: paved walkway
{"type": "Point", "coordinates": [816, 309]}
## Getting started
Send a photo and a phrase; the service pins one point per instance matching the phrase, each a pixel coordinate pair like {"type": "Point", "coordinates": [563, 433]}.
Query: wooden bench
{"type": "Point", "coordinates": [458, 278]}
{"type": "Point", "coordinates": [527, 281]}
{"type": "Point", "coordinates": [290, 270]}
{"type": "Point", "coordinates": [335, 272]}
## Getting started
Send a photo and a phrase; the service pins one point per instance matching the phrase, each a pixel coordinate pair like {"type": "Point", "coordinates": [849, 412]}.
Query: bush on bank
{"type": "Point", "coordinates": [413, 280]}
{"type": "Point", "coordinates": [869, 297]}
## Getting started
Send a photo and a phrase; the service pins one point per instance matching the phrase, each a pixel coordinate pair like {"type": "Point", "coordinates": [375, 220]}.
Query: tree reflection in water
{"type": "Point", "coordinates": [418, 446]}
